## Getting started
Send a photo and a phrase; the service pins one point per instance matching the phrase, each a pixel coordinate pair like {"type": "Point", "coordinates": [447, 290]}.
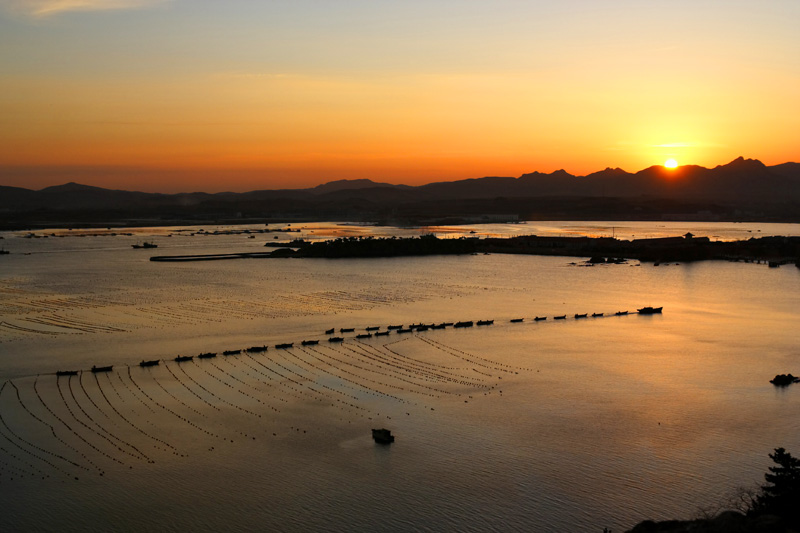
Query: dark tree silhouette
{"type": "Point", "coordinates": [781, 494]}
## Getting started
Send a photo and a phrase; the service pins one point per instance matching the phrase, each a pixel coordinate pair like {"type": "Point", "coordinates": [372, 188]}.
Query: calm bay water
{"type": "Point", "coordinates": [572, 425]}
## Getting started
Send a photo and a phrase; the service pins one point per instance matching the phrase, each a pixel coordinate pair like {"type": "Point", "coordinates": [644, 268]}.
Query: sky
{"type": "Point", "coordinates": [237, 95]}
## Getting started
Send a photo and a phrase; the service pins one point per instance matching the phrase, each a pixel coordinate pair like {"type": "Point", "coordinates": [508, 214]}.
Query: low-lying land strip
{"type": "Point", "coordinates": [775, 250]}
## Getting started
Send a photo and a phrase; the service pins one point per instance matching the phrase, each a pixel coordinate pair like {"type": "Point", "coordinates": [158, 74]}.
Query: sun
{"type": "Point", "coordinates": [671, 163]}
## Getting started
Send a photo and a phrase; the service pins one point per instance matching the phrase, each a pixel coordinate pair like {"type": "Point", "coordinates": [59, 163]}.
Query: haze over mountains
{"type": "Point", "coordinates": [743, 188]}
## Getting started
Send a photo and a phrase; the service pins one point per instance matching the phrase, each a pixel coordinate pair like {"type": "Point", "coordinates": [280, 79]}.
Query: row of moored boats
{"type": "Point", "coordinates": [371, 331]}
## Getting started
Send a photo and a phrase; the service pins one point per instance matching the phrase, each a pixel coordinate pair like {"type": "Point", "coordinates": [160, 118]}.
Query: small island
{"type": "Point", "coordinates": [784, 380]}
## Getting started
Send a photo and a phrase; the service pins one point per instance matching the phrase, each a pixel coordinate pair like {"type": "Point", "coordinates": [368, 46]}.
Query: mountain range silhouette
{"type": "Point", "coordinates": [743, 187]}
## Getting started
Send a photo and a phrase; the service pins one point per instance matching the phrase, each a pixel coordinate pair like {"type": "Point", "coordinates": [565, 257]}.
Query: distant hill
{"type": "Point", "coordinates": [741, 189]}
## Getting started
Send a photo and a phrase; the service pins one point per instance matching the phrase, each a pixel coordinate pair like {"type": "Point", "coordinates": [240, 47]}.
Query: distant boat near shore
{"type": "Point", "coordinates": [96, 369]}
{"type": "Point", "coordinates": [144, 245]}
{"type": "Point", "coordinates": [153, 362]}
{"type": "Point", "coordinates": [67, 373]}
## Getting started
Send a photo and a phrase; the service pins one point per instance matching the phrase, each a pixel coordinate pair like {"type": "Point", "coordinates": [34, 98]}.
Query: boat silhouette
{"type": "Point", "coordinates": [649, 310]}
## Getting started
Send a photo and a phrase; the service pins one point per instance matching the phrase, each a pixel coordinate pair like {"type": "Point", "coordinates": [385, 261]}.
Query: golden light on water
{"type": "Point", "coordinates": [670, 163]}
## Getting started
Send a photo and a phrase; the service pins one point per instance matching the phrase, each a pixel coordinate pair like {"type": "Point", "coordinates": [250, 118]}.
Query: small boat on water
{"type": "Point", "coordinates": [395, 327]}
{"type": "Point", "coordinates": [154, 362]}
{"type": "Point", "coordinates": [381, 333]}
{"type": "Point", "coordinates": [284, 346]}
{"type": "Point", "coordinates": [309, 343]}
{"type": "Point", "coordinates": [382, 436]}
{"type": "Point", "coordinates": [183, 358]}
{"type": "Point", "coordinates": [330, 331]}
{"type": "Point", "coordinates": [373, 328]}
{"type": "Point", "coordinates": [208, 355]}
{"type": "Point", "coordinates": [257, 349]}
{"type": "Point", "coordinates": [465, 324]}
{"type": "Point", "coordinates": [96, 369]}
{"type": "Point", "coordinates": [560, 317]}
{"type": "Point", "coordinates": [404, 330]}
{"type": "Point", "coordinates": [446, 324]}
{"type": "Point", "coordinates": [231, 352]}
{"type": "Point", "coordinates": [649, 310]}
{"type": "Point", "coordinates": [336, 339]}
{"type": "Point", "coordinates": [583, 315]}
{"type": "Point", "coordinates": [364, 336]}
{"type": "Point", "coordinates": [485, 322]}
{"type": "Point", "coordinates": [423, 328]}
{"type": "Point", "coordinates": [620, 313]}
{"type": "Point", "coordinates": [67, 373]}
{"type": "Point", "coordinates": [538, 318]}
{"type": "Point", "coordinates": [346, 330]}
{"type": "Point", "coordinates": [517, 320]}
{"type": "Point", "coordinates": [597, 315]}
{"type": "Point", "coordinates": [438, 326]}
{"type": "Point", "coordinates": [144, 245]}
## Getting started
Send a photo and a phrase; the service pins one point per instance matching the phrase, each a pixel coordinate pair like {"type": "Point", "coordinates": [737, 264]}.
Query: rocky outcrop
{"type": "Point", "coordinates": [727, 522]}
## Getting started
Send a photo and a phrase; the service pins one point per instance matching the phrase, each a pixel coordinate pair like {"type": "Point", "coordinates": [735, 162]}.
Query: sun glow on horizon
{"type": "Point", "coordinates": [670, 163]}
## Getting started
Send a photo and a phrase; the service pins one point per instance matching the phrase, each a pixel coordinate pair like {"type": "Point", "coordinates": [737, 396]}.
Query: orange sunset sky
{"type": "Point", "coordinates": [187, 95]}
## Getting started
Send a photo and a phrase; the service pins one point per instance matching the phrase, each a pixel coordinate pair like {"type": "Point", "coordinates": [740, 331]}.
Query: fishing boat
{"type": "Point", "coordinates": [208, 355]}
{"type": "Point", "coordinates": [538, 318]}
{"type": "Point", "coordinates": [465, 324]}
{"type": "Point", "coordinates": [516, 320]}
{"type": "Point", "coordinates": [382, 436]}
{"type": "Point", "coordinates": [395, 327]}
{"type": "Point", "coordinates": [96, 369]}
{"type": "Point", "coordinates": [560, 317]}
{"type": "Point", "coordinates": [284, 346]}
{"type": "Point", "coordinates": [446, 324]}
{"type": "Point", "coordinates": [309, 343]}
{"type": "Point", "coordinates": [336, 339]}
{"type": "Point", "coordinates": [581, 315]}
{"type": "Point", "coordinates": [330, 331]}
{"type": "Point", "coordinates": [373, 328]}
{"type": "Point", "coordinates": [423, 328]}
{"type": "Point", "coordinates": [649, 310]}
{"type": "Point", "coordinates": [404, 330]}
{"type": "Point", "coordinates": [154, 362]}
{"type": "Point", "coordinates": [620, 313]}
{"type": "Point", "coordinates": [144, 245]}
{"type": "Point", "coordinates": [438, 326]}
{"type": "Point", "coordinates": [485, 322]}
{"type": "Point", "coordinates": [257, 349]}
{"type": "Point", "coordinates": [231, 352]}
{"type": "Point", "coordinates": [597, 315]}
{"type": "Point", "coordinates": [363, 336]}
{"type": "Point", "coordinates": [67, 373]}
{"type": "Point", "coordinates": [183, 358]}
{"type": "Point", "coordinates": [346, 330]}
{"type": "Point", "coordinates": [381, 333]}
